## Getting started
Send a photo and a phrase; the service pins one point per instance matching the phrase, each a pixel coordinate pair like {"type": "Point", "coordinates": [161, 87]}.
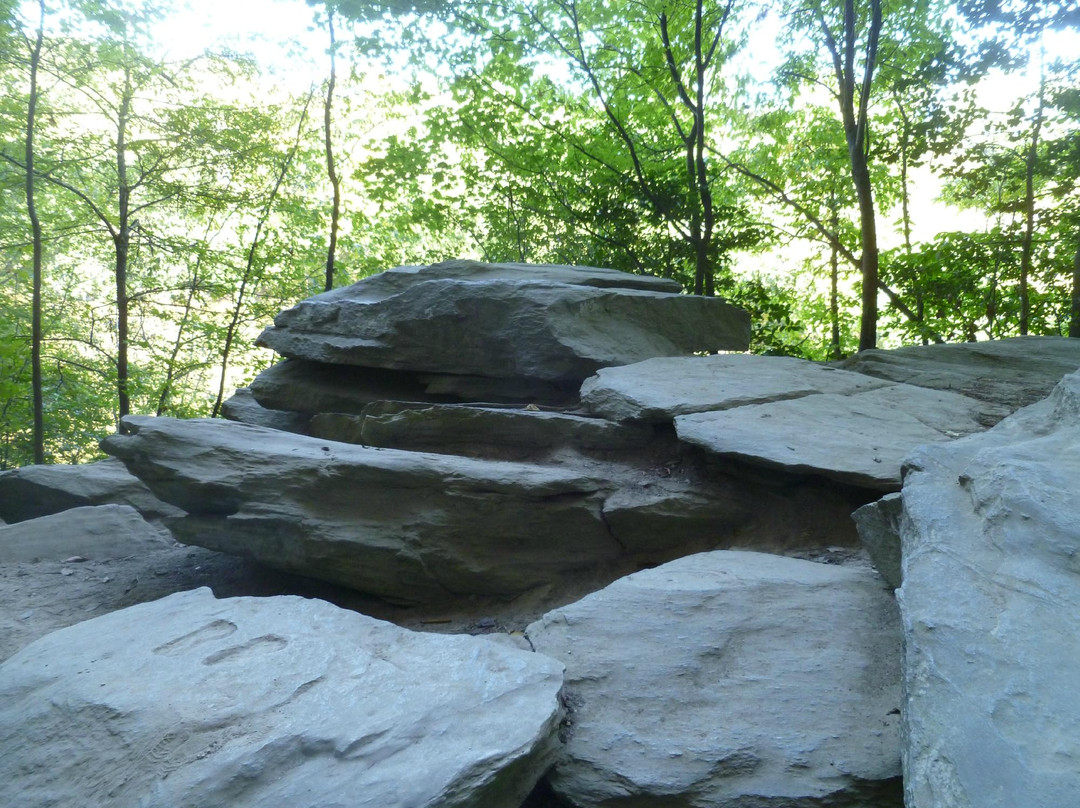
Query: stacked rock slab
{"type": "Point", "coordinates": [464, 330]}
{"type": "Point", "coordinates": [990, 603]}
{"type": "Point", "coordinates": [244, 702]}
{"type": "Point", "coordinates": [789, 414]}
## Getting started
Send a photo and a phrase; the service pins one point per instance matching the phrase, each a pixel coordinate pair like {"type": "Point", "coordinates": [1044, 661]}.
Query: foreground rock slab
{"type": "Point", "coordinates": [991, 610]}
{"type": "Point", "coordinates": [545, 322]}
{"type": "Point", "coordinates": [277, 701]}
{"type": "Point", "coordinates": [730, 680]}
{"type": "Point", "coordinates": [94, 532]}
{"type": "Point", "coordinates": [407, 526]}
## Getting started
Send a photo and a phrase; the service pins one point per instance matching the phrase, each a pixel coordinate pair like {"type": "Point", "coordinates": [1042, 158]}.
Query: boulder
{"type": "Point", "coordinates": [95, 532]}
{"type": "Point", "coordinates": [990, 604]}
{"type": "Point", "coordinates": [196, 702]}
{"type": "Point", "coordinates": [878, 524]}
{"type": "Point", "coordinates": [549, 323]}
{"type": "Point", "coordinates": [33, 491]}
{"type": "Point", "coordinates": [409, 526]}
{"type": "Point", "coordinates": [1009, 372]}
{"type": "Point", "coordinates": [658, 390]}
{"type": "Point", "coordinates": [730, 680]}
{"type": "Point", "coordinates": [859, 439]}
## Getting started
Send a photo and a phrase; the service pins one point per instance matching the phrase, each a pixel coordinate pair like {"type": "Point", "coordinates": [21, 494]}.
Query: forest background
{"type": "Point", "coordinates": [853, 172]}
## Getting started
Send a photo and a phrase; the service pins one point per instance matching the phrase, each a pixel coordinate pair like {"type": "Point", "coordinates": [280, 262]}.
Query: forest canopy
{"type": "Point", "coordinates": [855, 173]}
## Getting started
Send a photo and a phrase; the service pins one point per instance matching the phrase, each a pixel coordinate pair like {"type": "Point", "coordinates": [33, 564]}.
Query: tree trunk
{"type": "Point", "coordinates": [1074, 314]}
{"type": "Point", "coordinates": [122, 244]}
{"type": "Point", "coordinates": [35, 227]}
{"type": "Point", "coordinates": [331, 168]}
{"type": "Point", "coordinates": [1027, 245]}
{"type": "Point", "coordinates": [855, 120]}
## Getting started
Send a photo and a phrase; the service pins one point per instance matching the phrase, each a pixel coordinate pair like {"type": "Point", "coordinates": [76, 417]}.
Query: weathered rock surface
{"type": "Point", "coordinates": [550, 323]}
{"type": "Point", "coordinates": [730, 680]}
{"type": "Point", "coordinates": [879, 530]}
{"type": "Point", "coordinates": [404, 525]}
{"type": "Point", "coordinates": [93, 532]}
{"type": "Point", "coordinates": [990, 605]}
{"type": "Point", "coordinates": [658, 390]}
{"type": "Point", "coordinates": [859, 439]}
{"type": "Point", "coordinates": [33, 491]}
{"type": "Point", "coordinates": [1010, 372]}
{"type": "Point", "coordinates": [191, 701]}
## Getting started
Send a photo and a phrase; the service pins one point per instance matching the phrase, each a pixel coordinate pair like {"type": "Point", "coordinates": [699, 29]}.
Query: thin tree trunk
{"type": "Point", "coordinates": [855, 120]}
{"type": "Point", "coordinates": [1074, 314]}
{"type": "Point", "coordinates": [35, 227]}
{"type": "Point", "coordinates": [249, 269]}
{"type": "Point", "coordinates": [331, 168]}
{"type": "Point", "coordinates": [122, 244]}
{"type": "Point", "coordinates": [1026, 248]}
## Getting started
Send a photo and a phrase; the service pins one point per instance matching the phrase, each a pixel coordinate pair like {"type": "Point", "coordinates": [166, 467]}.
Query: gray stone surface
{"type": "Point", "coordinates": [478, 431]}
{"type": "Point", "coordinates": [658, 390]}
{"type": "Point", "coordinates": [403, 525]}
{"type": "Point", "coordinates": [93, 532]}
{"type": "Point", "coordinates": [1011, 372]}
{"type": "Point", "coordinates": [991, 612]}
{"type": "Point", "coordinates": [551, 323]}
{"type": "Point", "coordinates": [202, 703]}
{"type": "Point", "coordinates": [33, 491]}
{"type": "Point", "coordinates": [858, 439]}
{"type": "Point", "coordinates": [243, 407]}
{"type": "Point", "coordinates": [730, 680]}
{"type": "Point", "coordinates": [879, 530]}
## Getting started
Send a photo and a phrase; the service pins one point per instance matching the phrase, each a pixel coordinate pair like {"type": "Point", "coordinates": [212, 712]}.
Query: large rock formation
{"type": "Point", "coordinates": [244, 702]}
{"type": "Point", "coordinates": [730, 679]}
{"type": "Point", "coordinates": [991, 610]}
{"type": "Point", "coordinates": [550, 324]}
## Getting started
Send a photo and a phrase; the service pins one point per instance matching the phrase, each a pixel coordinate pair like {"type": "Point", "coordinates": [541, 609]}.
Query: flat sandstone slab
{"type": "Point", "coordinates": [860, 439]}
{"type": "Point", "coordinates": [283, 701]}
{"type": "Point", "coordinates": [551, 323]}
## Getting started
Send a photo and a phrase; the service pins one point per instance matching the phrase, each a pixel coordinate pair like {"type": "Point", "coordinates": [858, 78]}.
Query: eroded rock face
{"type": "Point", "coordinates": [990, 603]}
{"type": "Point", "coordinates": [549, 323]}
{"type": "Point", "coordinates": [404, 525]}
{"type": "Point", "coordinates": [277, 701]}
{"type": "Point", "coordinates": [730, 679]}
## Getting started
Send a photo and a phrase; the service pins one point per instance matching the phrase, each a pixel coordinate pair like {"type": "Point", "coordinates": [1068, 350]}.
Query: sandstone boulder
{"type": "Point", "coordinates": [202, 703]}
{"type": "Point", "coordinates": [404, 525]}
{"type": "Point", "coordinates": [730, 680]}
{"type": "Point", "coordinates": [33, 491]}
{"type": "Point", "coordinates": [990, 604]}
{"type": "Point", "coordinates": [243, 407]}
{"type": "Point", "coordinates": [92, 532]}
{"type": "Point", "coordinates": [1009, 372]}
{"type": "Point", "coordinates": [549, 323]}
